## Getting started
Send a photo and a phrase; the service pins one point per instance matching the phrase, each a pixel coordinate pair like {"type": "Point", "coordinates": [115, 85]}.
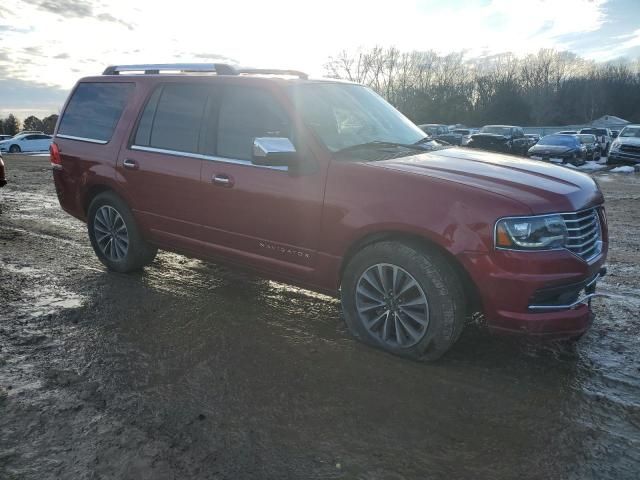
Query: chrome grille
{"type": "Point", "coordinates": [585, 234]}
{"type": "Point", "coordinates": [630, 148]}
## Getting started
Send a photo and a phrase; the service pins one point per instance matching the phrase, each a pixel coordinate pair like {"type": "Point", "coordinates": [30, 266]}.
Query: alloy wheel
{"type": "Point", "coordinates": [111, 233]}
{"type": "Point", "coordinates": [392, 305]}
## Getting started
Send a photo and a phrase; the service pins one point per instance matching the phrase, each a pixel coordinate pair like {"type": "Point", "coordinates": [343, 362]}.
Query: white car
{"type": "Point", "coordinates": [29, 142]}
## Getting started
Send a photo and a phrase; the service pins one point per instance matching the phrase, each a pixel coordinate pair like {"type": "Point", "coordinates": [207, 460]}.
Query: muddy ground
{"type": "Point", "coordinates": [190, 370]}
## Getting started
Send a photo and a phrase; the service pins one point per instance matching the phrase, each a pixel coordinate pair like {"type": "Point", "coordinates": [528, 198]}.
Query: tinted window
{"type": "Point", "coordinates": [172, 119]}
{"type": "Point", "coordinates": [94, 110]}
{"type": "Point", "coordinates": [31, 137]}
{"type": "Point", "coordinates": [247, 113]}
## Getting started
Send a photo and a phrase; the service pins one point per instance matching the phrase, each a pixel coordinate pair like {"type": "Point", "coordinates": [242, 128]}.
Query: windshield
{"type": "Point", "coordinates": [558, 140]}
{"type": "Point", "coordinates": [587, 138]}
{"type": "Point", "coordinates": [630, 132]}
{"type": "Point", "coordinates": [594, 131]}
{"type": "Point", "coordinates": [344, 115]}
{"type": "Point", "coordinates": [496, 130]}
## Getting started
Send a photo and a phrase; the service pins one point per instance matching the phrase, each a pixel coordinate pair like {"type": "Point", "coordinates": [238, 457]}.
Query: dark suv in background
{"type": "Point", "coordinates": [323, 184]}
{"type": "Point", "coordinates": [502, 138]}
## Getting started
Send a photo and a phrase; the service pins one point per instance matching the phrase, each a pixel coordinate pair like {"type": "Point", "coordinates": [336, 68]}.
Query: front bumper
{"type": "Point", "coordinates": [536, 293]}
{"type": "Point", "coordinates": [620, 156]}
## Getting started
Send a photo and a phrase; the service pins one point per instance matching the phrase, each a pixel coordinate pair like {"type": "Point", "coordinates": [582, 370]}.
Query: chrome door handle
{"type": "Point", "coordinates": [128, 163]}
{"type": "Point", "coordinates": [222, 181]}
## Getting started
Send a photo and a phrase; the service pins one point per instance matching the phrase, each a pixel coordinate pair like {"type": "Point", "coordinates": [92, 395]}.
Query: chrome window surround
{"type": "Point", "coordinates": [211, 158]}
{"type": "Point", "coordinates": [560, 214]}
{"type": "Point", "coordinates": [83, 139]}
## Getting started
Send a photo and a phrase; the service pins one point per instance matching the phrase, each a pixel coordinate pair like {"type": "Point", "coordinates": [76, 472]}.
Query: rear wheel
{"type": "Point", "coordinates": [403, 299]}
{"type": "Point", "coordinates": [114, 235]}
{"type": "Point", "coordinates": [14, 149]}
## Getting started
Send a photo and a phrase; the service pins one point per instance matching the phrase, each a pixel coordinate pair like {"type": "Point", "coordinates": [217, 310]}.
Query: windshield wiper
{"type": "Point", "coordinates": [379, 144]}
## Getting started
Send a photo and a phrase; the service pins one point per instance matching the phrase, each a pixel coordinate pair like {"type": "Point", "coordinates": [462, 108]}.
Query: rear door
{"type": "Point", "coordinates": [162, 165]}
{"type": "Point", "coordinates": [268, 217]}
{"type": "Point", "coordinates": [44, 141]}
{"type": "Point", "coordinates": [29, 143]}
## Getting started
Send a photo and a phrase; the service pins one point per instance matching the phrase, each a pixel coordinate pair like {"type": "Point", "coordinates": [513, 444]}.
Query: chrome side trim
{"type": "Point", "coordinates": [580, 301]}
{"type": "Point", "coordinates": [211, 158]}
{"type": "Point", "coordinates": [82, 139]}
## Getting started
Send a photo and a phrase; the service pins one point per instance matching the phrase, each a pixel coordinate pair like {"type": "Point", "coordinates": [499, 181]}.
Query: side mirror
{"type": "Point", "coordinates": [274, 152]}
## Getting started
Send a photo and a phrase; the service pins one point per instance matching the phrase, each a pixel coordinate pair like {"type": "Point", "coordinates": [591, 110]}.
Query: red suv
{"type": "Point", "coordinates": [323, 184]}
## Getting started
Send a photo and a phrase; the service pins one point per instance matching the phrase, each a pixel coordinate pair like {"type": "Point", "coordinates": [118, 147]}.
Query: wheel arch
{"type": "Point", "coordinates": [92, 192]}
{"type": "Point", "coordinates": [420, 242]}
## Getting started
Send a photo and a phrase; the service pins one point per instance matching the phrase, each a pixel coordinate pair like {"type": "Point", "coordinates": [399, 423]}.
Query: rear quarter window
{"type": "Point", "coordinates": [94, 110]}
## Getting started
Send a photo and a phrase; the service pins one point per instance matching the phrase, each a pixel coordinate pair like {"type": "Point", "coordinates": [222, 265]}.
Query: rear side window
{"type": "Point", "coordinates": [172, 119]}
{"type": "Point", "coordinates": [247, 113]}
{"type": "Point", "coordinates": [94, 110]}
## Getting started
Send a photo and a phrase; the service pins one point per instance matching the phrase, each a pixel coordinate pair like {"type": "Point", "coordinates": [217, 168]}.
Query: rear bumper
{"type": "Point", "coordinates": [540, 294]}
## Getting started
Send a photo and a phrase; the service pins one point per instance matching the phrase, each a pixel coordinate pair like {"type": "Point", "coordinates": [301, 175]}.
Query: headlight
{"type": "Point", "coordinates": [545, 232]}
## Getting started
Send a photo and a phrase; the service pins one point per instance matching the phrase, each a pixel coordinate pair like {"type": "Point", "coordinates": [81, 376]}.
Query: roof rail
{"type": "Point", "coordinates": [151, 69]}
{"type": "Point", "coordinates": [219, 68]}
{"type": "Point", "coordinates": [272, 71]}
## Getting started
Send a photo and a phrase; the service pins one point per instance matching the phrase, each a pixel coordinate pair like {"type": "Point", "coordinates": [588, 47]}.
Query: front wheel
{"type": "Point", "coordinates": [114, 235]}
{"type": "Point", "coordinates": [14, 149]}
{"type": "Point", "coordinates": [403, 299]}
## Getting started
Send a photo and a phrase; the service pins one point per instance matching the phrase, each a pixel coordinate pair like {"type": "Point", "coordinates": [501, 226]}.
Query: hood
{"type": "Point", "coordinates": [489, 137]}
{"type": "Point", "coordinates": [635, 141]}
{"type": "Point", "coordinates": [551, 149]}
{"type": "Point", "coordinates": [539, 186]}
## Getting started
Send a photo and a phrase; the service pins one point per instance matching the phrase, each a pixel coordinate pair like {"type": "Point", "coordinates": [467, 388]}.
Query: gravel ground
{"type": "Point", "coordinates": [189, 370]}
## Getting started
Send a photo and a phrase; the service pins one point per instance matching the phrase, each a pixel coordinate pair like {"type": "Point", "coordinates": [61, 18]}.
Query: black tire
{"type": "Point", "coordinates": [138, 252]}
{"type": "Point", "coordinates": [15, 149]}
{"type": "Point", "coordinates": [437, 279]}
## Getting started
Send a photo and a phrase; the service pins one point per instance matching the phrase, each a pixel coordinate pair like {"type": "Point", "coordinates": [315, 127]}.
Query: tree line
{"type": "Point", "coordinates": [12, 126]}
{"type": "Point", "coordinates": [546, 88]}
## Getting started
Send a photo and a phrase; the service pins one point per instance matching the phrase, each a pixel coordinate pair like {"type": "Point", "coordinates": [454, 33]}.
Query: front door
{"type": "Point", "coordinates": [268, 217]}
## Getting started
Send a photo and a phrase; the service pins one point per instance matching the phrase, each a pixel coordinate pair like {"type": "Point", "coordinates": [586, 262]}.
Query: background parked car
{"type": "Point", "coordinates": [567, 132]}
{"type": "Point", "coordinates": [441, 132]}
{"type": "Point", "coordinates": [533, 136]}
{"type": "Point", "coordinates": [594, 149]}
{"type": "Point", "coordinates": [614, 134]}
{"type": "Point", "coordinates": [559, 148]}
{"type": "Point", "coordinates": [465, 135]}
{"type": "Point", "coordinates": [602, 134]}
{"type": "Point", "coordinates": [26, 143]}
{"type": "Point", "coordinates": [626, 148]}
{"type": "Point", "coordinates": [5, 137]}
{"type": "Point", "coordinates": [501, 138]}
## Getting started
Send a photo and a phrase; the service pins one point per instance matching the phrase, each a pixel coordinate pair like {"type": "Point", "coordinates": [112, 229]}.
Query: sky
{"type": "Point", "coordinates": [47, 45]}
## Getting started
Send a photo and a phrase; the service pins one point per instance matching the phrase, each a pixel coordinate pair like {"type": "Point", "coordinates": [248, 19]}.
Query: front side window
{"type": "Point", "coordinates": [94, 110]}
{"type": "Point", "coordinates": [172, 119]}
{"type": "Point", "coordinates": [247, 113]}
{"type": "Point", "coordinates": [345, 115]}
